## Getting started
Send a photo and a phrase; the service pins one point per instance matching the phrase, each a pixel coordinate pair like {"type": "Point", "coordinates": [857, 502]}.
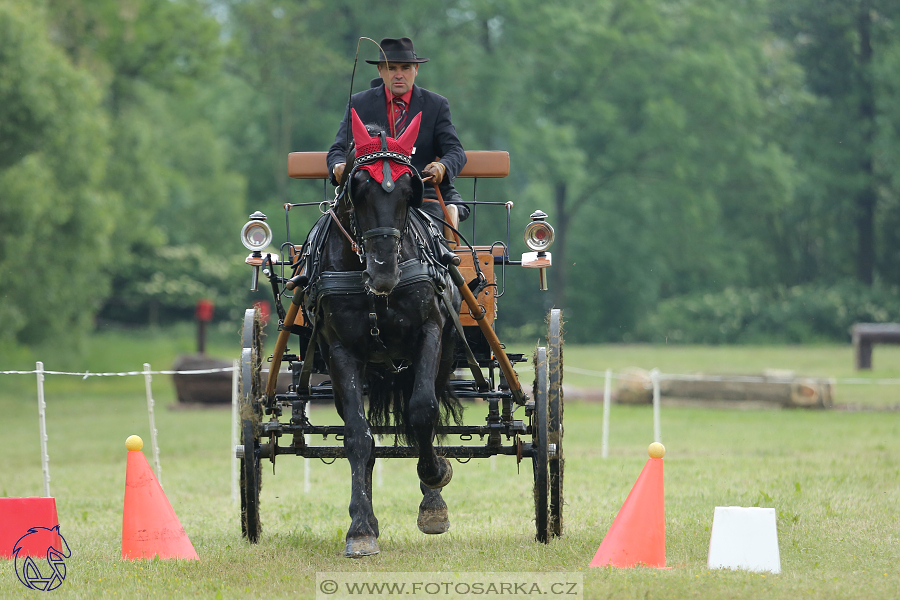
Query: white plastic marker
{"type": "Point", "coordinates": [744, 538]}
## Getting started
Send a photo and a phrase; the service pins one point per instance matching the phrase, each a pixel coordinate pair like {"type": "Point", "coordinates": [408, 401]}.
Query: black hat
{"type": "Point", "coordinates": [397, 51]}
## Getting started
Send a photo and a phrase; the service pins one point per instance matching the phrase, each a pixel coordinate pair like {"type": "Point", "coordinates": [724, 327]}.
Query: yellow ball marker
{"type": "Point", "coordinates": [134, 443]}
{"type": "Point", "coordinates": [656, 450]}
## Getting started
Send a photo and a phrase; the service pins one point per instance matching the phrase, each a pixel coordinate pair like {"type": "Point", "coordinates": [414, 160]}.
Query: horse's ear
{"type": "Point", "coordinates": [360, 134]}
{"type": "Point", "coordinates": [407, 139]}
{"type": "Point", "coordinates": [418, 189]}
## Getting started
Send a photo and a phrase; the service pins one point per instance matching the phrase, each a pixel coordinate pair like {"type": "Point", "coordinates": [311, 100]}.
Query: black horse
{"type": "Point", "coordinates": [393, 335]}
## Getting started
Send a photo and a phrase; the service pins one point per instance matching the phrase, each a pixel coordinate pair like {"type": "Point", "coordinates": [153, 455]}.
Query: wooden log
{"type": "Point", "coordinates": [210, 388]}
{"type": "Point", "coordinates": [771, 389]}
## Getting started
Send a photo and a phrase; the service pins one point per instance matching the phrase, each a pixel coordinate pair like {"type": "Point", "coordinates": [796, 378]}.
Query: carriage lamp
{"type": "Point", "coordinates": [538, 237]}
{"type": "Point", "coordinates": [538, 233]}
{"type": "Point", "coordinates": [255, 235]}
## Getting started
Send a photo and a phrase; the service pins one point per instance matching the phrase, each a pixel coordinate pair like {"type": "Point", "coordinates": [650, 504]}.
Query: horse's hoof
{"type": "Point", "coordinates": [359, 547]}
{"type": "Point", "coordinates": [448, 475]}
{"type": "Point", "coordinates": [433, 521]}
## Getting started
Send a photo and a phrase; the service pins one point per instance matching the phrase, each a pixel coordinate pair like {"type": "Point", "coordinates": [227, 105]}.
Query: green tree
{"type": "Point", "coordinates": [650, 132]}
{"type": "Point", "coordinates": [844, 47]}
{"type": "Point", "coordinates": [170, 165]}
{"type": "Point", "coordinates": [56, 218]}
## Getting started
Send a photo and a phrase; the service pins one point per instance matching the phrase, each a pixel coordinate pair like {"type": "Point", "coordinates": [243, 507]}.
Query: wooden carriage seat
{"type": "Point", "coordinates": [479, 163]}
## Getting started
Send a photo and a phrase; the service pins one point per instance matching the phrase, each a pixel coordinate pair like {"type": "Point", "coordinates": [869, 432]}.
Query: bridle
{"type": "Point", "coordinates": [357, 240]}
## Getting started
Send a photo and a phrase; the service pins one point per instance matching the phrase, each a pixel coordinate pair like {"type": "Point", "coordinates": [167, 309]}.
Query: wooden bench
{"type": "Point", "coordinates": [479, 163]}
{"type": "Point", "coordinates": [867, 334]}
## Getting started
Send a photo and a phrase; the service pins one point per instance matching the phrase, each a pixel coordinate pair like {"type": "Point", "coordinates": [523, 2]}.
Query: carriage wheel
{"type": "Point", "coordinates": [250, 416]}
{"type": "Point", "coordinates": [555, 427]}
{"type": "Point", "coordinates": [540, 450]}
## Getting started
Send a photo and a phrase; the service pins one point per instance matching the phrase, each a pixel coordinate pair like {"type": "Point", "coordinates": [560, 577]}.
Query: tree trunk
{"type": "Point", "coordinates": [866, 198]}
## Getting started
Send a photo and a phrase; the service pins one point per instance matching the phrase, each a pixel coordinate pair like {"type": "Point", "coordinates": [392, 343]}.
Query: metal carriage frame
{"type": "Point", "coordinates": [265, 434]}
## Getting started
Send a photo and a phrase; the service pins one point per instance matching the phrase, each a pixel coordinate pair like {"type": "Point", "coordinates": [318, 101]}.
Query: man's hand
{"type": "Point", "coordinates": [434, 172]}
{"type": "Point", "coordinates": [339, 171]}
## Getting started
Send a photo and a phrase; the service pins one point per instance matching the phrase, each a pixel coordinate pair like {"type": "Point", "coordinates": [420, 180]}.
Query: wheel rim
{"type": "Point", "coordinates": [555, 427]}
{"type": "Point", "coordinates": [250, 416]}
{"type": "Point", "coordinates": [251, 469]}
{"type": "Point", "coordinates": [540, 455]}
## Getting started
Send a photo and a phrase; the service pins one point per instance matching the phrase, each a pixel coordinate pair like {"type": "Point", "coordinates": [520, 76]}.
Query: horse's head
{"type": "Point", "coordinates": [382, 190]}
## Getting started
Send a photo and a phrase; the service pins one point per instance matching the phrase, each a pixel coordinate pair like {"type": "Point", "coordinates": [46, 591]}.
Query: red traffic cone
{"type": "Point", "coordinates": [638, 533]}
{"type": "Point", "coordinates": [150, 526]}
{"type": "Point", "coordinates": [18, 516]}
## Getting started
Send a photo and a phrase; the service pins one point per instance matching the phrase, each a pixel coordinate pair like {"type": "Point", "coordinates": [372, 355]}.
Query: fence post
{"type": "Point", "coordinates": [235, 375]}
{"type": "Point", "coordinates": [379, 475]}
{"type": "Point", "coordinates": [657, 433]}
{"type": "Point", "coordinates": [42, 418]}
{"type": "Point", "coordinates": [607, 390]}
{"type": "Point", "coordinates": [307, 487]}
{"type": "Point", "coordinates": [147, 379]}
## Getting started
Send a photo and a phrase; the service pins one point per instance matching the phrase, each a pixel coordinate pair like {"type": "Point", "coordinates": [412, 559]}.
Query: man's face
{"type": "Point", "coordinates": [398, 77]}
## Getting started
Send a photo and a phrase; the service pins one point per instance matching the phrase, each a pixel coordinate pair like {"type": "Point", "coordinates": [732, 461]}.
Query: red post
{"type": "Point", "coordinates": [265, 310]}
{"type": "Point", "coordinates": [204, 313]}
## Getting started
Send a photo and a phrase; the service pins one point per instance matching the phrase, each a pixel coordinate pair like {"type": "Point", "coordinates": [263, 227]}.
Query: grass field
{"type": "Point", "coordinates": [832, 476]}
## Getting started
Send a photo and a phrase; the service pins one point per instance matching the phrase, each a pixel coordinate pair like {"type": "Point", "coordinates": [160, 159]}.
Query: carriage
{"type": "Point", "coordinates": [520, 423]}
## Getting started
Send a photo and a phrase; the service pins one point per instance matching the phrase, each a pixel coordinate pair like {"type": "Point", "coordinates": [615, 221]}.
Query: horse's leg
{"type": "Point", "coordinates": [346, 372]}
{"type": "Point", "coordinates": [433, 515]}
{"type": "Point", "coordinates": [370, 466]}
{"type": "Point", "coordinates": [434, 471]}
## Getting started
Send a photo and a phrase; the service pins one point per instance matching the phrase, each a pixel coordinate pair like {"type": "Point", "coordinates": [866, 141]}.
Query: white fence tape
{"type": "Point", "coordinates": [86, 374]}
{"type": "Point", "coordinates": [578, 370]}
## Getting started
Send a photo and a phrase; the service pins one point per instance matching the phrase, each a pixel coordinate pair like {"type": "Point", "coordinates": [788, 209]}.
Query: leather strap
{"type": "Point", "coordinates": [470, 356]}
{"type": "Point", "coordinates": [349, 237]}
{"type": "Point", "coordinates": [308, 360]}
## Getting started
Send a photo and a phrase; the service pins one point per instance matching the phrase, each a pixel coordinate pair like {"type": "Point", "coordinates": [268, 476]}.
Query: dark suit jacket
{"type": "Point", "coordinates": [437, 135]}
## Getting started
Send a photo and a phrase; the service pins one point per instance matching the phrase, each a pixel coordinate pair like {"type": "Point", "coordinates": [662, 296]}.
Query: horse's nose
{"type": "Point", "coordinates": [381, 281]}
{"type": "Point", "coordinates": [382, 272]}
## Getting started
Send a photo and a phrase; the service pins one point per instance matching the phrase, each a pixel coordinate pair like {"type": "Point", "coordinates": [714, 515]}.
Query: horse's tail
{"type": "Point", "coordinates": [389, 395]}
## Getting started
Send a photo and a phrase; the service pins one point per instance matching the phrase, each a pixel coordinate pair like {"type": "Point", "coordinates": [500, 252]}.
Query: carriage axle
{"type": "Point", "coordinates": [524, 450]}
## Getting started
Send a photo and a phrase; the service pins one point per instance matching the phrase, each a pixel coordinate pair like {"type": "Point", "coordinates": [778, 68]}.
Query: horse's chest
{"type": "Point", "coordinates": [397, 320]}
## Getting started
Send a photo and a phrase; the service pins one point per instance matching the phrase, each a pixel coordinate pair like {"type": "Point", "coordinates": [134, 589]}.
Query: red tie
{"type": "Point", "coordinates": [399, 117]}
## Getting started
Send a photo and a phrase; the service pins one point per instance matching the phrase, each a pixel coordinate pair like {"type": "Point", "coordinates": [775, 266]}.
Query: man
{"type": "Point", "coordinates": [392, 102]}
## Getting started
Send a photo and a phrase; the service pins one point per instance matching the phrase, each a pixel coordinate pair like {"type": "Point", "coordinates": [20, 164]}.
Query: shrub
{"type": "Point", "coordinates": [805, 313]}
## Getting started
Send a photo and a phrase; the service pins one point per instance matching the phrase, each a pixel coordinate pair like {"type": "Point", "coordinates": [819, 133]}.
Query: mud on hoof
{"type": "Point", "coordinates": [433, 521]}
{"type": "Point", "coordinates": [359, 547]}
{"type": "Point", "coordinates": [443, 480]}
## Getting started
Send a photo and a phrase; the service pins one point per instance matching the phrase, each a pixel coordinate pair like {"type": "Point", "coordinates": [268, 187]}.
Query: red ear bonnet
{"type": "Point", "coordinates": [366, 144]}
{"type": "Point", "coordinates": [361, 137]}
{"type": "Point", "coordinates": [407, 139]}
